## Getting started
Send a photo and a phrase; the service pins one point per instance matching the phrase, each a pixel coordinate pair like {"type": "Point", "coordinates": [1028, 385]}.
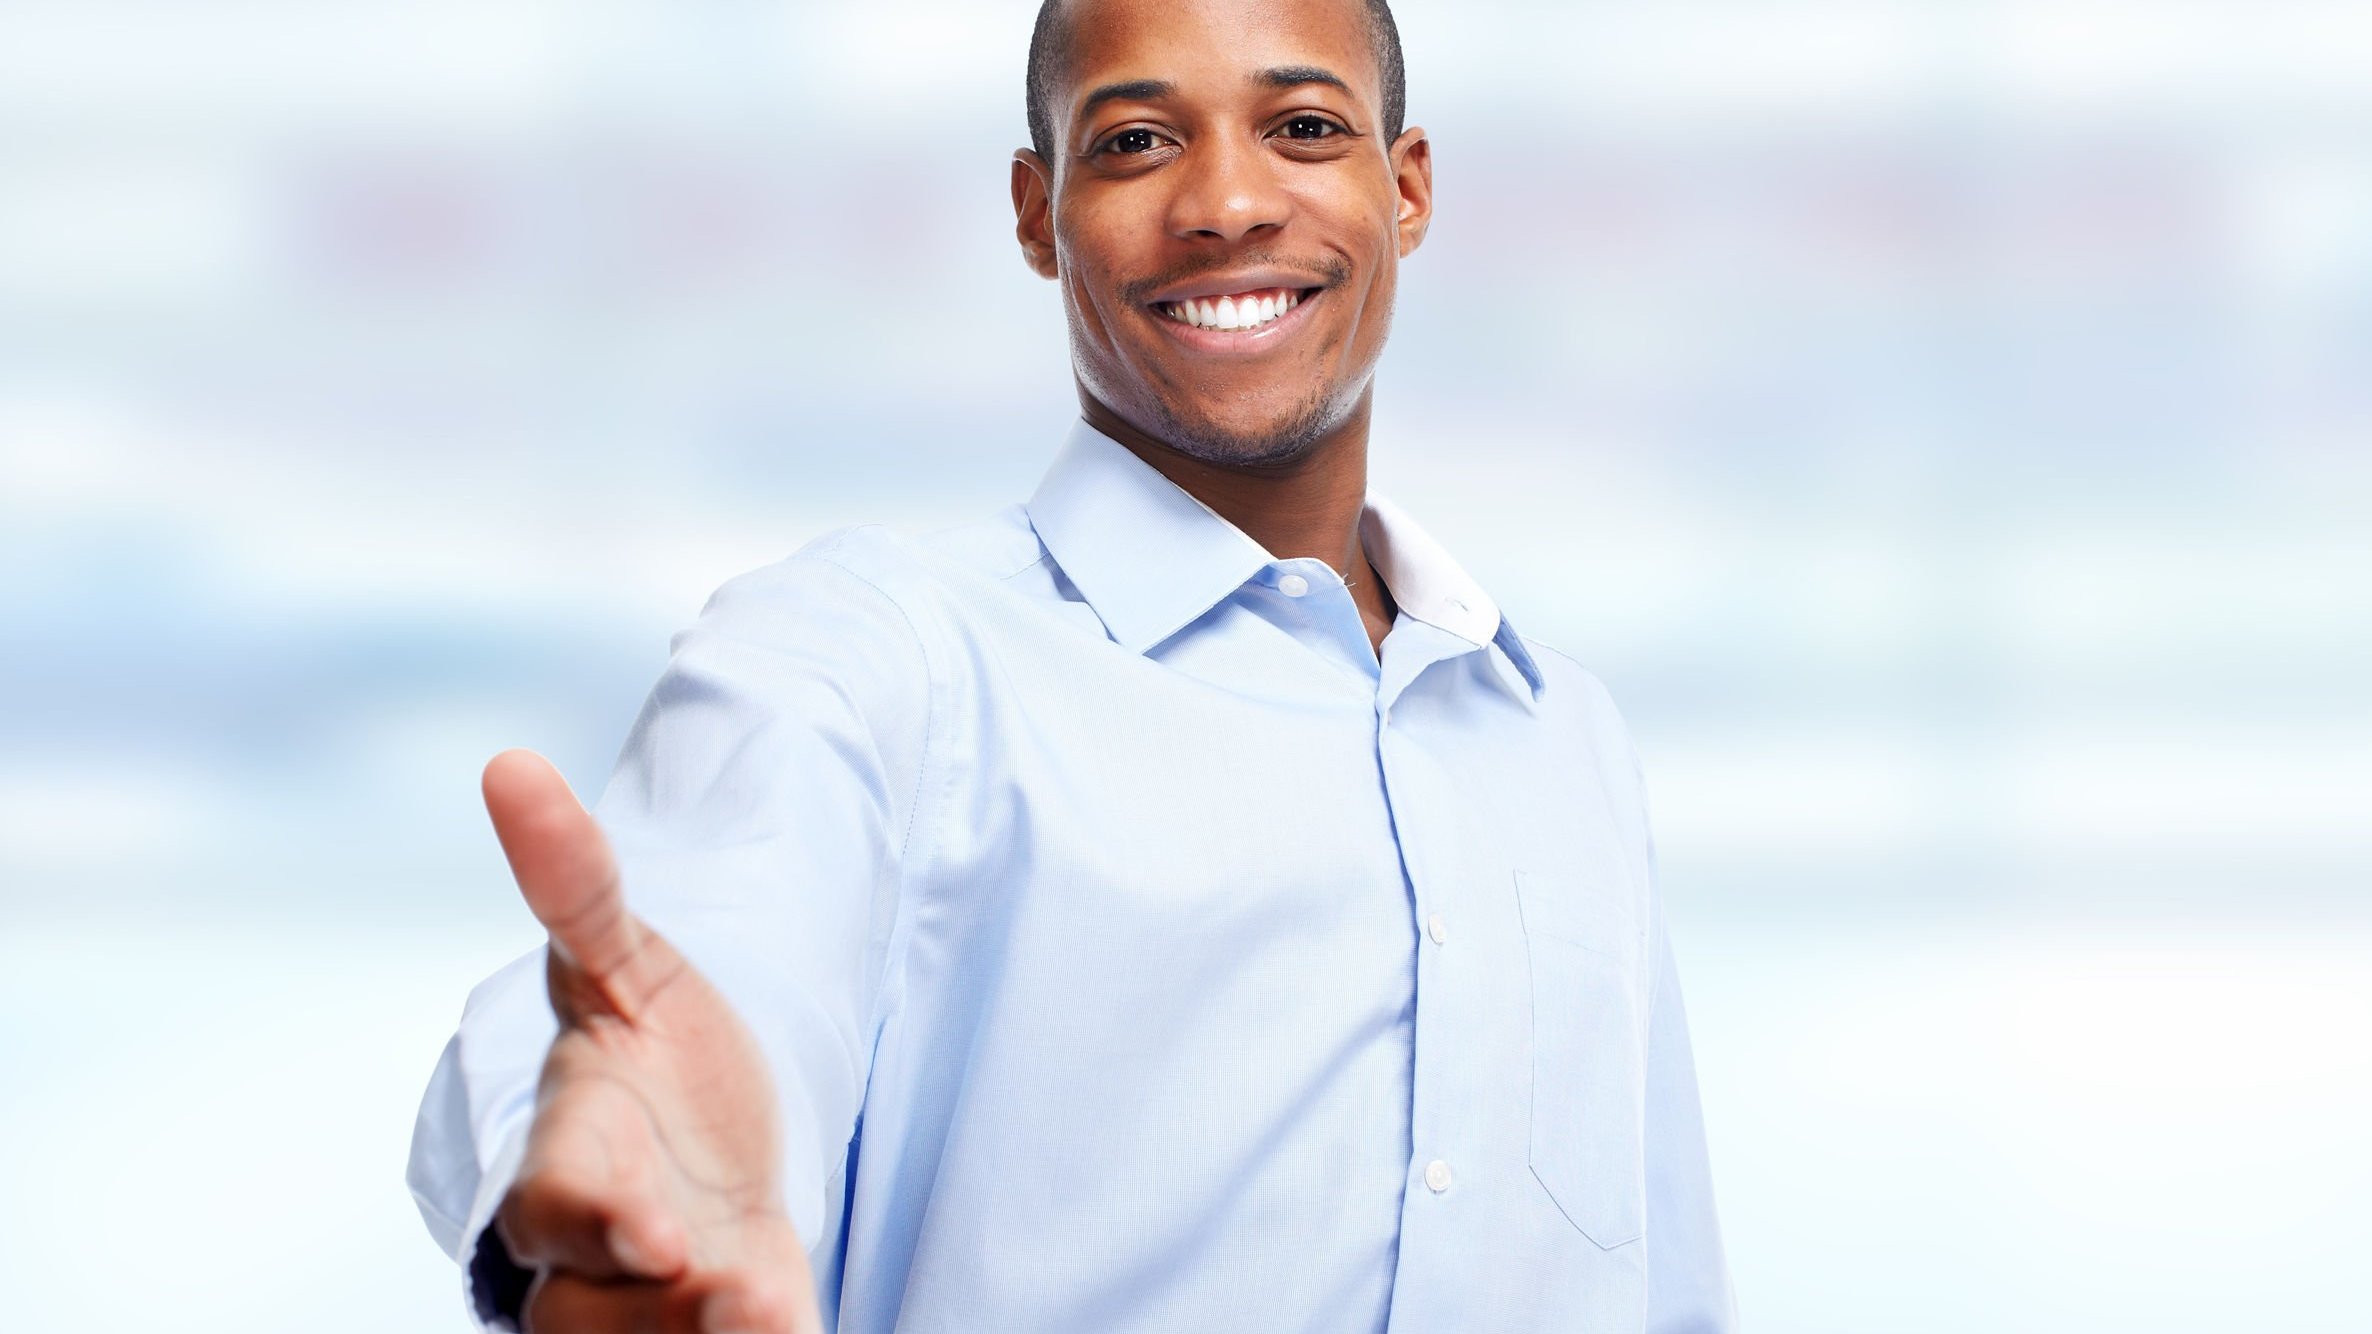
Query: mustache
{"type": "Point", "coordinates": [1325, 273]}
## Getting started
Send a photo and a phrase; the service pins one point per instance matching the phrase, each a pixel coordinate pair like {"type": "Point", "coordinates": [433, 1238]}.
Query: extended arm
{"type": "Point", "coordinates": [759, 818]}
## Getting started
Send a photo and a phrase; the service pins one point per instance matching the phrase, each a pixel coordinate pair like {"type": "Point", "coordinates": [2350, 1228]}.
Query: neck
{"type": "Point", "coordinates": [1308, 505]}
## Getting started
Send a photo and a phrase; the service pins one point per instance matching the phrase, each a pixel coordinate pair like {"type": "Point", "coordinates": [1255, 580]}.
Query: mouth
{"type": "Point", "coordinates": [1235, 320]}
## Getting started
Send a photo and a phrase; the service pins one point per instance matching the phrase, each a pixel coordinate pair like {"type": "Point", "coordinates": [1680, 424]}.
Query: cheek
{"type": "Point", "coordinates": [1080, 294]}
{"type": "Point", "coordinates": [1090, 243]}
{"type": "Point", "coordinates": [1087, 291]}
{"type": "Point", "coordinates": [1380, 296]}
{"type": "Point", "coordinates": [1384, 286]}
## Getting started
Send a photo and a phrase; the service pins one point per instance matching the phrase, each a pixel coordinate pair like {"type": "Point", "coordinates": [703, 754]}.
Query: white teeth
{"type": "Point", "coordinates": [1227, 312]}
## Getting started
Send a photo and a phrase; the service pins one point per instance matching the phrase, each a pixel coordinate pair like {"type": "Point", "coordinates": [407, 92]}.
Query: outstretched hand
{"type": "Point", "coordinates": [650, 1195]}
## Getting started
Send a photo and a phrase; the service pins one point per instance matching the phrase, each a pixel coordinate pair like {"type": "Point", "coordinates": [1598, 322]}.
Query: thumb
{"type": "Point", "coordinates": [566, 874]}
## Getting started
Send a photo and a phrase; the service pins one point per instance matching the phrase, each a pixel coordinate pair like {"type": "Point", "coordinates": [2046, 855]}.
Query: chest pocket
{"type": "Point", "coordinates": [1585, 942]}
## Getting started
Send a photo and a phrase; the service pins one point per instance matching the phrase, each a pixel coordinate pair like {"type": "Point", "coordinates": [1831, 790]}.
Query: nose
{"type": "Point", "coordinates": [1228, 189]}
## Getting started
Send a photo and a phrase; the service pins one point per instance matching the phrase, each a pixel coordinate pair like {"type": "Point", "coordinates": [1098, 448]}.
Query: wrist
{"type": "Point", "coordinates": [498, 1283]}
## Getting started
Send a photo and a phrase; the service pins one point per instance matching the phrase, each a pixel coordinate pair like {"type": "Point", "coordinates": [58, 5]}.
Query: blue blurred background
{"type": "Point", "coordinates": [1947, 427]}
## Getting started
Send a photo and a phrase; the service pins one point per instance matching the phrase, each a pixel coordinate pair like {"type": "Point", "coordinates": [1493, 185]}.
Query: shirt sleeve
{"type": "Point", "coordinates": [763, 813]}
{"type": "Point", "coordinates": [1688, 1278]}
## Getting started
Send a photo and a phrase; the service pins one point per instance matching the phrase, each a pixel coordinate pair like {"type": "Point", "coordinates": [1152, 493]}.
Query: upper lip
{"type": "Point", "coordinates": [1229, 284]}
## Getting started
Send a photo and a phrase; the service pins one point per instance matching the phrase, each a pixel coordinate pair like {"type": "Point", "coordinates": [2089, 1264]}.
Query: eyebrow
{"type": "Point", "coordinates": [1135, 90]}
{"type": "Point", "coordinates": [1294, 76]}
{"type": "Point", "coordinates": [1150, 90]}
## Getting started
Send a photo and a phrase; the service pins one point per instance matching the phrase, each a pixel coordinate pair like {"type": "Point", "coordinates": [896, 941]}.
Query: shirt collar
{"type": "Point", "coordinates": [1145, 553]}
{"type": "Point", "coordinates": [1150, 558]}
{"type": "Point", "coordinates": [1435, 589]}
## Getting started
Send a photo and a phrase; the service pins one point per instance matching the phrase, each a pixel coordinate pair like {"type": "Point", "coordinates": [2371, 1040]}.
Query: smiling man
{"type": "Point", "coordinates": [1182, 901]}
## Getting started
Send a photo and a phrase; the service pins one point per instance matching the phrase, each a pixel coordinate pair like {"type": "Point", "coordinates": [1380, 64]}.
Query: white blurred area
{"type": "Point", "coordinates": [1946, 426]}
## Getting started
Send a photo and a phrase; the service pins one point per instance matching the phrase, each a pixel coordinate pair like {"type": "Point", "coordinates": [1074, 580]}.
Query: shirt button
{"type": "Point", "coordinates": [1437, 1176]}
{"type": "Point", "coordinates": [1433, 928]}
{"type": "Point", "coordinates": [1293, 585]}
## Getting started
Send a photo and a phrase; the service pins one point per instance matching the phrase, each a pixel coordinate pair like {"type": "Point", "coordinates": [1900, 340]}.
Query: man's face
{"type": "Point", "coordinates": [1224, 217]}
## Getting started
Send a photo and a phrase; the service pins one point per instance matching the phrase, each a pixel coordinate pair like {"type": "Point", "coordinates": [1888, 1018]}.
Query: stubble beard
{"type": "Point", "coordinates": [1279, 443]}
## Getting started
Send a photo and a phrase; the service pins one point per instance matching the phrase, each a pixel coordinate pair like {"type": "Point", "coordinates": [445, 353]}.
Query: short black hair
{"type": "Point", "coordinates": [1050, 45]}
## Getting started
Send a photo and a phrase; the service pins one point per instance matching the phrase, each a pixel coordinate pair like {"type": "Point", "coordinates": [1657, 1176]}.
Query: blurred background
{"type": "Point", "coordinates": [1947, 427]}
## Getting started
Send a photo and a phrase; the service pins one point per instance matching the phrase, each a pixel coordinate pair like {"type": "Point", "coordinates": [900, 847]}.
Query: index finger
{"type": "Point", "coordinates": [579, 1206]}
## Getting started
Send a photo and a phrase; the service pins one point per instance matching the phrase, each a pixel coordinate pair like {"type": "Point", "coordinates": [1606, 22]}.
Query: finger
{"type": "Point", "coordinates": [561, 861]}
{"type": "Point", "coordinates": [751, 1304]}
{"type": "Point", "coordinates": [562, 1303]}
{"type": "Point", "coordinates": [587, 1198]}
{"type": "Point", "coordinates": [570, 881]}
{"type": "Point", "coordinates": [770, 1291]}
{"type": "Point", "coordinates": [552, 1224]}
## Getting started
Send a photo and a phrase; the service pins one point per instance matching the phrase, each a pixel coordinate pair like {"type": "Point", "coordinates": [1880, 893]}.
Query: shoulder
{"type": "Point", "coordinates": [1585, 714]}
{"type": "Point", "coordinates": [842, 581]}
{"type": "Point", "coordinates": [1582, 698]}
{"type": "Point", "coordinates": [841, 619]}
{"type": "Point", "coordinates": [916, 575]}
{"type": "Point", "coordinates": [1593, 733]}
{"type": "Point", "coordinates": [865, 593]}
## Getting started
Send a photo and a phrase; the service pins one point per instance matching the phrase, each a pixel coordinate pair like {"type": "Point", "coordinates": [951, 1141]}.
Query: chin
{"type": "Point", "coordinates": [1233, 437]}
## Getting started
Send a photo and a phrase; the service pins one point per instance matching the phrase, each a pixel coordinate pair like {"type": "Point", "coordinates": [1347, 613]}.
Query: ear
{"type": "Point", "coordinates": [1412, 175]}
{"type": "Point", "coordinates": [1033, 211]}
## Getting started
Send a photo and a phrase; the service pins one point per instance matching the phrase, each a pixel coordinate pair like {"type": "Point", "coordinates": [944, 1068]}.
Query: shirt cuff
{"type": "Point", "coordinates": [495, 1285]}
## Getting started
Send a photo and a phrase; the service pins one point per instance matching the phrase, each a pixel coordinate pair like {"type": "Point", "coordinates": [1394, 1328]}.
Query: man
{"type": "Point", "coordinates": [1182, 902]}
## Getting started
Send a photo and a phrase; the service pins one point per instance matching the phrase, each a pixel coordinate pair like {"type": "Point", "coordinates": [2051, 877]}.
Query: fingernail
{"type": "Point", "coordinates": [723, 1314]}
{"type": "Point", "coordinates": [627, 1252]}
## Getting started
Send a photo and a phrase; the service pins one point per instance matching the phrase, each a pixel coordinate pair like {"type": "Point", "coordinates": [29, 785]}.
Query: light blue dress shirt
{"type": "Point", "coordinates": [1135, 949]}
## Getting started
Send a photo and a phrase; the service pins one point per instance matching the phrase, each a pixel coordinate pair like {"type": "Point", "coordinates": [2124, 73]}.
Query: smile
{"type": "Point", "coordinates": [1236, 321]}
{"type": "Point", "coordinates": [1240, 310]}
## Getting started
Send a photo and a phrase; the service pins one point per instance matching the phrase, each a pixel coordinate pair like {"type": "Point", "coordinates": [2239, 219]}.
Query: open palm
{"type": "Point", "coordinates": [649, 1197]}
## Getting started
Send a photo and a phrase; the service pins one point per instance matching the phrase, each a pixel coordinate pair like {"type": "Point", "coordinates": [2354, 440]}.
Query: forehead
{"type": "Point", "coordinates": [1209, 47]}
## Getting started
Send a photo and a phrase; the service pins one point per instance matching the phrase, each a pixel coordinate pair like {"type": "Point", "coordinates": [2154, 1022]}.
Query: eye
{"type": "Point", "coordinates": [1311, 128]}
{"type": "Point", "coordinates": [1131, 142]}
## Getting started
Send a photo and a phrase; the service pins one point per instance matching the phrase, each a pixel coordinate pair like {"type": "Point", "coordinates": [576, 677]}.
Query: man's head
{"type": "Point", "coordinates": [1186, 151]}
{"type": "Point", "coordinates": [1050, 49]}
